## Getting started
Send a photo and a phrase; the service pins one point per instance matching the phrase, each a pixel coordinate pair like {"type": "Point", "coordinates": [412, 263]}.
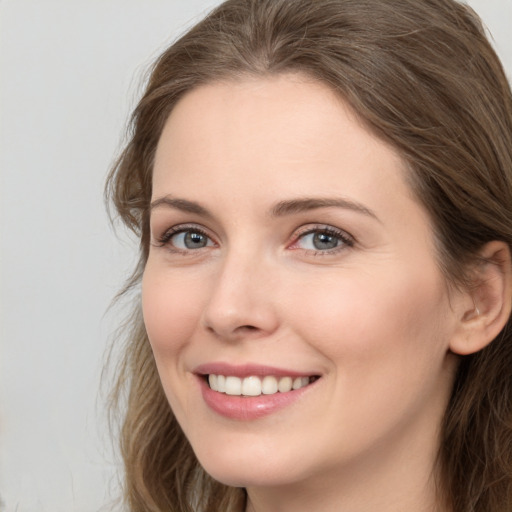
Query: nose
{"type": "Point", "coordinates": [241, 303]}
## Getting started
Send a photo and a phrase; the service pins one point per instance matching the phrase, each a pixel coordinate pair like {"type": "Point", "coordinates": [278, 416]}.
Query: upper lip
{"type": "Point", "coordinates": [248, 370]}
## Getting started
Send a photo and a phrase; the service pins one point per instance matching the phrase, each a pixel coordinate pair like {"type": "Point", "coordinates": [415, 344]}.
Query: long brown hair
{"type": "Point", "coordinates": [423, 77]}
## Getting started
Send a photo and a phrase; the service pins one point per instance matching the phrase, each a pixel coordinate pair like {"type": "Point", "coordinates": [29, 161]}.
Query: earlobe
{"type": "Point", "coordinates": [489, 300]}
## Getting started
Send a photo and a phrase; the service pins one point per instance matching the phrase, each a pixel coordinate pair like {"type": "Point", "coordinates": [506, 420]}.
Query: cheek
{"type": "Point", "coordinates": [171, 309]}
{"type": "Point", "coordinates": [398, 314]}
{"type": "Point", "coordinates": [386, 343]}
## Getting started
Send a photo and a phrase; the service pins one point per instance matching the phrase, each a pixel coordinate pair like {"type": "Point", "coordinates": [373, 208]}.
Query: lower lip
{"type": "Point", "coordinates": [247, 408]}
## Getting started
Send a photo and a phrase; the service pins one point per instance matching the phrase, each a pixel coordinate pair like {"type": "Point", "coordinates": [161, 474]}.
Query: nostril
{"type": "Point", "coordinates": [246, 329]}
{"type": "Point", "coordinates": [240, 329]}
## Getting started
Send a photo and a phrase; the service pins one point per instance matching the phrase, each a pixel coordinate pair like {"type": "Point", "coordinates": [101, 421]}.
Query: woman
{"type": "Point", "coordinates": [323, 193]}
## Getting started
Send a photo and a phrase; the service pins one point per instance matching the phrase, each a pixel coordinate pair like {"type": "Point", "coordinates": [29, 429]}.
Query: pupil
{"type": "Point", "coordinates": [323, 241]}
{"type": "Point", "coordinates": [194, 240]}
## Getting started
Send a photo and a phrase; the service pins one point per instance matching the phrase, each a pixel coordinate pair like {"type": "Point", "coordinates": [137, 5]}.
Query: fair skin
{"type": "Point", "coordinates": [284, 235]}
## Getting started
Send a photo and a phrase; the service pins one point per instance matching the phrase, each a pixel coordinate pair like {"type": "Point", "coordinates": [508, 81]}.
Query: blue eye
{"type": "Point", "coordinates": [320, 241]}
{"type": "Point", "coordinates": [323, 240]}
{"type": "Point", "coordinates": [186, 239]}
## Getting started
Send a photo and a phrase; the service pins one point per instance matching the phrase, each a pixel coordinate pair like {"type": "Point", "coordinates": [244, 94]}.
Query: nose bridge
{"type": "Point", "coordinates": [241, 297]}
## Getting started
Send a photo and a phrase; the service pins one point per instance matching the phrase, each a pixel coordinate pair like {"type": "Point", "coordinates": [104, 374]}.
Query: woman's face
{"type": "Point", "coordinates": [287, 250]}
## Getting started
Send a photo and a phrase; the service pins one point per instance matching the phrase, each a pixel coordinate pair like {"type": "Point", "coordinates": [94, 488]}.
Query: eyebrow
{"type": "Point", "coordinates": [305, 204]}
{"type": "Point", "coordinates": [281, 209]}
{"type": "Point", "coordinates": [181, 204]}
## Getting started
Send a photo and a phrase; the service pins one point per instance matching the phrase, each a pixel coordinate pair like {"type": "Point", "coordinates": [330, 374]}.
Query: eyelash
{"type": "Point", "coordinates": [345, 240]}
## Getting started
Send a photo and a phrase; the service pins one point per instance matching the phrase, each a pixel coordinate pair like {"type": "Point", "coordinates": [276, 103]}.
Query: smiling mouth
{"type": "Point", "coordinates": [256, 386]}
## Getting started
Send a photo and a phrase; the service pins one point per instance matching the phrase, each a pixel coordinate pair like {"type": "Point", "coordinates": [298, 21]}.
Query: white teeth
{"type": "Point", "coordinates": [297, 383]}
{"type": "Point", "coordinates": [251, 386]}
{"type": "Point", "coordinates": [255, 386]}
{"type": "Point", "coordinates": [212, 380]}
{"type": "Point", "coordinates": [221, 383]}
{"type": "Point", "coordinates": [285, 384]}
{"type": "Point", "coordinates": [269, 385]}
{"type": "Point", "coordinates": [233, 386]}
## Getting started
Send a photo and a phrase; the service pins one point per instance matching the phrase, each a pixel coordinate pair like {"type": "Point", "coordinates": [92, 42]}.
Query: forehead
{"type": "Point", "coordinates": [279, 123]}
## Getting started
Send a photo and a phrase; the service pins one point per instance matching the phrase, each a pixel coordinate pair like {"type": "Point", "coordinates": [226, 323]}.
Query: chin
{"type": "Point", "coordinates": [249, 471]}
{"type": "Point", "coordinates": [247, 477]}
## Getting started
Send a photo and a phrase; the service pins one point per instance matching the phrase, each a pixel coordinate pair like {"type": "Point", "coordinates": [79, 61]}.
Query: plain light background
{"type": "Point", "coordinates": [70, 72]}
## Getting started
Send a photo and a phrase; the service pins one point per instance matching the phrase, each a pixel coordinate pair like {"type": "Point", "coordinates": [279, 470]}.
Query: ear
{"type": "Point", "coordinates": [487, 304]}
